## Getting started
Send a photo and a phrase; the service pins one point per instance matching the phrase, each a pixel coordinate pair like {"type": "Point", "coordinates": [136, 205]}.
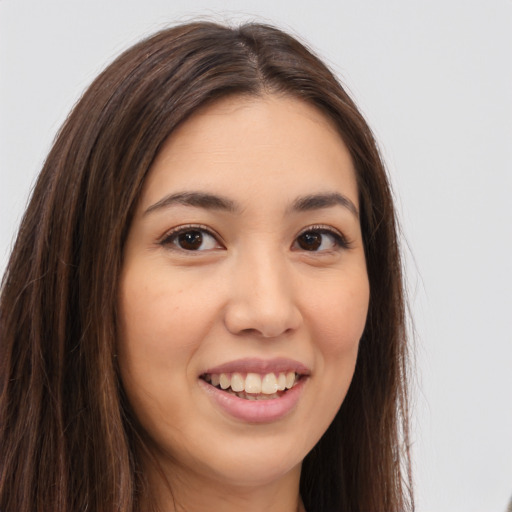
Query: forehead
{"type": "Point", "coordinates": [269, 145]}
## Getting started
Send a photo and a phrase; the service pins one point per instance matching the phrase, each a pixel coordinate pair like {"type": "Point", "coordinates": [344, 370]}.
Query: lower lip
{"type": "Point", "coordinates": [255, 411]}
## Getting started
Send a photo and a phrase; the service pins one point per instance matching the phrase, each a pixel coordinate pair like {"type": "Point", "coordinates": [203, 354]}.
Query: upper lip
{"type": "Point", "coordinates": [263, 366]}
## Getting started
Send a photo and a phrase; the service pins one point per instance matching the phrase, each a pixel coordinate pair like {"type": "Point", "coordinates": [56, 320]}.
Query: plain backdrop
{"type": "Point", "coordinates": [434, 80]}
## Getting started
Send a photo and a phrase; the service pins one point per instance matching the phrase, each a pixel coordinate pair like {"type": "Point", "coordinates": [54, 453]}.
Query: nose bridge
{"type": "Point", "coordinates": [263, 297]}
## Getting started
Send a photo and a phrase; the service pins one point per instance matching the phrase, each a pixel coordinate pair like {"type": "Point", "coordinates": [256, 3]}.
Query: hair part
{"type": "Point", "coordinates": [68, 440]}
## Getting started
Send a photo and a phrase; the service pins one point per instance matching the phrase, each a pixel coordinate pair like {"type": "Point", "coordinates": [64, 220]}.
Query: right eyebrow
{"type": "Point", "coordinates": [196, 199]}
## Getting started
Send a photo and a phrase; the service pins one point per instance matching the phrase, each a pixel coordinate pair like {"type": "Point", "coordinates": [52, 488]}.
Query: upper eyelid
{"type": "Point", "coordinates": [343, 241]}
{"type": "Point", "coordinates": [201, 227]}
{"type": "Point", "coordinates": [321, 227]}
{"type": "Point", "coordinates": [190, 227]}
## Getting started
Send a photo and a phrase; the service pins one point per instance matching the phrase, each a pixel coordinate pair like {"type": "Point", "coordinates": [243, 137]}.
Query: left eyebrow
{"type": "Point", "coordinates": [320, 201]}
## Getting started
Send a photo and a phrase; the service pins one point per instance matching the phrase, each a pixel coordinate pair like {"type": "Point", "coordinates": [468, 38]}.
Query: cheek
{"type": "Point", "coordinates": [163, 320]}
{"type": "Point", "coordinates": [155, 318]}
{"type": "Point", "coordinates": [159, 335]}
{"type": "Point", "coordinates": [340, 317]}
{"type": "Point", "coordinates": [153, 347]}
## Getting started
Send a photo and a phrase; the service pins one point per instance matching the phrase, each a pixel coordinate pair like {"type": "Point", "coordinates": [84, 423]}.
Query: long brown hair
{"type": "Point", "coordinates": [68, 441]}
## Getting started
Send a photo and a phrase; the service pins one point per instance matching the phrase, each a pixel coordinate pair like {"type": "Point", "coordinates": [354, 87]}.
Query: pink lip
{"type": "Point", "coordinates": [260, 366]}
{"type": "Point", "coordinates": [255, 411]}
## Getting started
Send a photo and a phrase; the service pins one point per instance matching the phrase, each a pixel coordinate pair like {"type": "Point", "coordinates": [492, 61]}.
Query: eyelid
{"type": "Point", "coordinates": [166, 239]}
{"type": "Point", "coordinates": [342, 241]}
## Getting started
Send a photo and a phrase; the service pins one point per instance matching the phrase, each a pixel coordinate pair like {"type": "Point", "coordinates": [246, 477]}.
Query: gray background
{"type": "Point", "coordinates": [435, 82]}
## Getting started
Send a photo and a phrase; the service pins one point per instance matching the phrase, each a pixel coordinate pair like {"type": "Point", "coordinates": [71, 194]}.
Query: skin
{"type": "Point", "coordinates": [250, 290]}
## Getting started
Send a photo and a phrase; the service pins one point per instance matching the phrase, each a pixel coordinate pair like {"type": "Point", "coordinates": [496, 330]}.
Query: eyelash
{"type": "Point", "coordinates": [171, 237]}
{"type": "Point", "coordinates": [340, 240]}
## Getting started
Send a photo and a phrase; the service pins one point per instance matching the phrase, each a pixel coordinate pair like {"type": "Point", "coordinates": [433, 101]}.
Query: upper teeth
{"type": "Point", "coordinates": [267, 384]}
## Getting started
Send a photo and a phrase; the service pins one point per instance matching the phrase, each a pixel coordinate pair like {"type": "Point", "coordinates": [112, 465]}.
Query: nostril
{"type": "Point", "coordinates": [251, 332]}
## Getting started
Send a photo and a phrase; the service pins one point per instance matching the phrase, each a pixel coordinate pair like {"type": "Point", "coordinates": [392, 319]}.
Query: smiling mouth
{"type": "Point", "coordinates": [253, 386]}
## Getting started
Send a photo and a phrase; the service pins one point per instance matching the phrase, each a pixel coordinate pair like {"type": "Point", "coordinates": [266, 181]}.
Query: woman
{"type": "Point", "coordinates": [204, 305]}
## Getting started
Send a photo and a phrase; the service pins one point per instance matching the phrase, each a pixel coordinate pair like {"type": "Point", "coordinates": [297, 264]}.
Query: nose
{"type": "Point", "coordinates": [263, 297]}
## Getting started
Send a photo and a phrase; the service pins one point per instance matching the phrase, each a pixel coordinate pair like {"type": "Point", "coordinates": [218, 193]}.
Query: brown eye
{"type": "Point", "coordinates": [320, 240]}
{"type": "Point", "coordinates": [310, 240]}
{"type": "Point", "coordinates": [190, 240]}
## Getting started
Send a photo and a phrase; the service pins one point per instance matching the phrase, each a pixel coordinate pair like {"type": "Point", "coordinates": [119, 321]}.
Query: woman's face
{"type": "Point", "coordinates": [243, 269]}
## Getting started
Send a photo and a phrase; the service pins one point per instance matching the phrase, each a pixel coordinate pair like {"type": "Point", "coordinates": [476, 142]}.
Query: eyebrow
{"type": "Point", "coordinates": [216, 202]}
{"type": "Point", "coordinates": [320, 201]}
{"type": "Point", "coordinates": [196, 199]}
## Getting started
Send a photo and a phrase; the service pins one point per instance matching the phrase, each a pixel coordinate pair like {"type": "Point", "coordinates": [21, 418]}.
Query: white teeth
{"type": "Point", "coordinates": [290, 379]}
{"type": "Point", "coordinates": [248, 396]}
{"type": "Point", "coordinates": [252, 383]}
{"type": "Point", "coordinates": [266, 397]}
{"type": "Point", "coordinates": [281, 382]}
{"type": "Point", "coordinates": [224, 381]}
{"type": "Point", "coordinates": [237, 382]}
{"type": "Point", "coordinates": [269, 384]}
